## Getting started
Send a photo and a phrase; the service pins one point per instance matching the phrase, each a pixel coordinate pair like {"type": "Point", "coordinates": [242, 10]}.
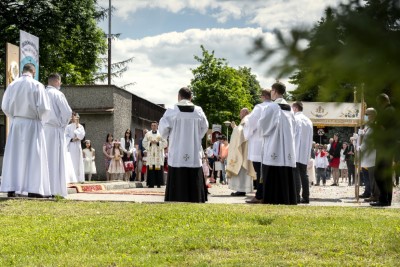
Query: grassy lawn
{"type": "Point", "coordinates": [70, 233]}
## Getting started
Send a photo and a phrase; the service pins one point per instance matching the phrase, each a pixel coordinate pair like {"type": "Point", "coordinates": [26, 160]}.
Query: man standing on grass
{"type": "Point", "coordinates": [184, 125]}
{"type": "Point", "coordinates": [253, 134]}
{"type": "Point", "coordinates": [25, 168]}
{"type": "Point", "coordinates": [277, 126]}
{"type": "Point", "coordinates": [54, 129]}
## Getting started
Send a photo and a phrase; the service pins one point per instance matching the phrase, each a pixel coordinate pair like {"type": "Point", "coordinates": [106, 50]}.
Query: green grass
{"type": "Point", "coordinates": [70, 233]}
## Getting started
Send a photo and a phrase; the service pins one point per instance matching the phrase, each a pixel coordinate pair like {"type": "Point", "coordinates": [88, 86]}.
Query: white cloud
{"type": "Point", "coordinates": [162, 63]}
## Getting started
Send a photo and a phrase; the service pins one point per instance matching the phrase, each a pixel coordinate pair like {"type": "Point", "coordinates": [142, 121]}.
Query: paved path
{"type": "Point", "coordinates": [342, 195]}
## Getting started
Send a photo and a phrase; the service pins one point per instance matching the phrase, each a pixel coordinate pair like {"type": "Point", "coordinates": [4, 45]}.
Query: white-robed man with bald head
{"type": "Point", "coordinates": [25, 169]}
{"type": "Point", "coordinates": [239, 169]}
{"type": "Point", "coordinates": [184, 125]}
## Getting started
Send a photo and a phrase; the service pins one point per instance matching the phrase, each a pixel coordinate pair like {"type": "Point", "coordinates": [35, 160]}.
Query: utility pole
{"type": "Point", "coordinates": [109, 42]}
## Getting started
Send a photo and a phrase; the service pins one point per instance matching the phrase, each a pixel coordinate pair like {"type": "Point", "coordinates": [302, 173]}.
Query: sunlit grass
{"type": "Point", "coordinates": [69, 233]}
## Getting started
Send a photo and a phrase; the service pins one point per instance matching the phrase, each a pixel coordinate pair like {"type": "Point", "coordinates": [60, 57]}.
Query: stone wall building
{"type": "Point", "coordinates": [104, 109]}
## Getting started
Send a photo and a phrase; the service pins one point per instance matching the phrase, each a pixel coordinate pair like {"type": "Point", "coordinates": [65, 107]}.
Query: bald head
{"type": "Point", "coordinates": [243, 113]}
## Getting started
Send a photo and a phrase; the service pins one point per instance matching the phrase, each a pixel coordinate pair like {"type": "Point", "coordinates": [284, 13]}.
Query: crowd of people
{"type": "Point", "coordinates": [43, 152]}
{"type": "Point", "coordinates": [271, 150]}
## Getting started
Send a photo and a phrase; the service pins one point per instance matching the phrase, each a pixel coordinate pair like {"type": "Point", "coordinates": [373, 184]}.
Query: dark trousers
{"type": "Point", "coordinates": [351, 171]}
{"type": "Point", "coordinates": [383, 177]}
{"type": "Point", "coordinates": [155, 177]}
{"type": "Point", "coordinates": [259, 185]}
{"type": "Point", "coordinates": [321, 173]}
{"type": "Point", "coordinates": [367, 182]}
{"type": "Point", "coordinates": [211, 163]}
{"type": "Point", "coordinates": [301, 179]}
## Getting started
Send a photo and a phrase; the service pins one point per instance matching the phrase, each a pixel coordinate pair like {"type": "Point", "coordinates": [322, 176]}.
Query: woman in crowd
{"type": "Point", "coordinates": [107, 146]}
{"type": "Point", "coordinates": [129, 159]}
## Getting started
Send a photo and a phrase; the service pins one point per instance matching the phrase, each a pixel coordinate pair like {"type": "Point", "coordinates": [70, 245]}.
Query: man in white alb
{"type": "Point", "coordinates": [185, 125]}
{"type": "Point", "coordinates": [303, 142]}
{"type": "Point", "coordinates": [25, 168]}
{"type": "Point", "coordinates": [277, 127]}
{"type": "Point", "coordinates": [255, 142]}
{"type": "Point", "coordinates": [54, 128]}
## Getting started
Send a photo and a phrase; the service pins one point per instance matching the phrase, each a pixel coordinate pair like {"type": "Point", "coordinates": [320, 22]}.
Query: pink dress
{"type": "Point", "coordinates": [116, 164]}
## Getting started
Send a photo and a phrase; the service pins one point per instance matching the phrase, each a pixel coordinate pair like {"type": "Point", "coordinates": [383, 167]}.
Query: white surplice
{"type": "Point", "coordinates": [303, 137]}
{"type": "Point", "coordinates": [54, 129]}
{"type": "Point", "coordinates": [252, 132]}
{"type": "Point", "coordinates": [277, 127]}
{"type": "Point", "coordinates": [178, 127]}
{"type": "Point", "coordinates": [75, 150]}
{"type": "Point", "coordinates": [25, 168]}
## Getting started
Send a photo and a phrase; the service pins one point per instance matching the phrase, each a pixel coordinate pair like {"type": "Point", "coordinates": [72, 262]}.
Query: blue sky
{"type": "Point", "coordinates": [164, 35]}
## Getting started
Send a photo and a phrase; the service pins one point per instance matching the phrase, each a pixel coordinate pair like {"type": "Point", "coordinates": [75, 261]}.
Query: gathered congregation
{"type": "Point", "coordinates": [271, 150]}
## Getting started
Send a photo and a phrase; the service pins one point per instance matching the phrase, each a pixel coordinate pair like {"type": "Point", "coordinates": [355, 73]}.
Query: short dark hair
{"type": "Point", "coordinates": [266, 93]}
{"type": "Point", "coordinates": [154, 122]}
{"type": "Point", "coordinates": [279, 87]}
{"type": "Point", "coordinates": [54, 77]}
{"type": "Point", "coordinates": [185, 93]}
{"type": "Point", "coordinates": [29, 67]}
{"type": "Point", "coordinates": [298, 105]}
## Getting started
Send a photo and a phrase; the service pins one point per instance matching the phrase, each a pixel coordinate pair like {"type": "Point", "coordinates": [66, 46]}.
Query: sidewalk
{"type": "Point", "coordinates": [342, 195]}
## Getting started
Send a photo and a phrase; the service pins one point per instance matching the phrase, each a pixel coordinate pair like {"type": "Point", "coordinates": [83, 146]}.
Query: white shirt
{"type": "Point", "coordinates": [252, 132]}
{"type": "Point", "coordinates": [368, 156]}
{"type": "Point", "coordinates": [60, 112]}
{"type": "Point", "coordinates": [303, 137]}
{"type": "Point", "coordinates": [185, 131]}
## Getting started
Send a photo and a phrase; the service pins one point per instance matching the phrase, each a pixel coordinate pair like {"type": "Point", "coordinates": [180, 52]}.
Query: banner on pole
{"type": "Point", "coordinates": [12, 63]}
{"type": "Point", "coordinates": [29, 51]}
{"type": "Point", "coordinates": [333, 113]}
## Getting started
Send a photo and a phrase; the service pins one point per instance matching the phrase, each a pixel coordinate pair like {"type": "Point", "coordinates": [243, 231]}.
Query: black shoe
{"type": "Point", "coordinates": [34, 195]}
{"type": "Point", "coordinates": [363, 196]}
{"type": "Point", "coordinates": [11, 194]}
{"type": "Point", "coordinates": [238, 194]}
{"type": "Point", "coordinates": [333, 184]}
{"type": "Point", "coordinates": [379, 204]}
{"type": "Point", "coordinates": [304, 201]}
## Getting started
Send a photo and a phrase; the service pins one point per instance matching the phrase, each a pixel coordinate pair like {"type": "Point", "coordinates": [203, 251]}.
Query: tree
{"type": "Point", "coordinates": [354, 45]}
{"type": "Point", "coordinates": [219, 89]}
{"type": "Point", "coordinates": [70, 40]}
{"type": "Point", "coordinates": [251, 84]}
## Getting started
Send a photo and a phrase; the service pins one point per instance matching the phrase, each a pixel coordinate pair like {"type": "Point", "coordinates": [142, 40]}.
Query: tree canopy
{"type": "Point", "coordinates": [222, 91]}
{"type": "Point", "coordinates": [353, 46]}
{"type": "Point", "coordinates": [70, 42]}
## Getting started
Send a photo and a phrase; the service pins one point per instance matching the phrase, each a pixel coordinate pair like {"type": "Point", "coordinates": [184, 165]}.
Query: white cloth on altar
{"type": "Point", "coordinates": [239, 168]}
{"type": "Point", "coordinates": [54, 128]}
{"type": "Point", "coordinates": [277, 127]}
{"type": "Point", "coordinates": [25, 166]}
{"type": "Point", "coordinates": [252, 132]}
{"type": "Point", "coordinates": [178, 126]}
{"type": "Point", "coordinates": [75, 150]}
{"type": "Point", "coordinates": [303, 137]}
{"type": "Point", "coordinates": [155, 152]}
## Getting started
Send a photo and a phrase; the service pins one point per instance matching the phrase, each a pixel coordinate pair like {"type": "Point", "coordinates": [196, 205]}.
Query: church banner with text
{"type": "Point", "coordinates": [29, 51]}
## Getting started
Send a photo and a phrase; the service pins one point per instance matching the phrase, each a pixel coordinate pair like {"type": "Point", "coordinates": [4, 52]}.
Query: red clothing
{"type": "Point", "coordinates": [334, 163]}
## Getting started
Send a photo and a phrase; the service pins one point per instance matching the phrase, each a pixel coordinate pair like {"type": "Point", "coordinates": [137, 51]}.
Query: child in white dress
{"type": "Point", "coordinates": [88, 160]}
{"type": "Point", "coordinates": [116, 168]}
